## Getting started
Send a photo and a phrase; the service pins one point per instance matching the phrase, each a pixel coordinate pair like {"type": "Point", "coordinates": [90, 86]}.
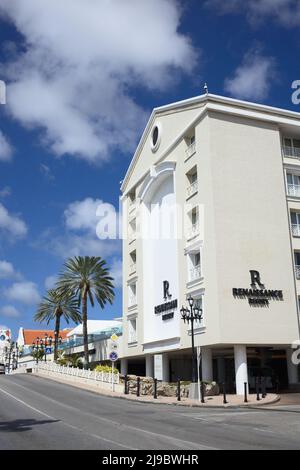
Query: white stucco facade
{"type": "Point", "coordinates": [212, 200]}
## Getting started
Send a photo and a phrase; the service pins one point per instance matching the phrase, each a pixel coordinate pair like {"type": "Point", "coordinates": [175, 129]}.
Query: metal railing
{"type": "Point", "coordinates": [293, 152]}
{"type": "Point", "coordinates": [192, 189]}
{"type": "Point", "coordinates": [297, 271]}
{"type": "Point", "coordinates": [296, 230]}
{"type": "Point", "coordinates": [105, 377]}
{"type": "Point", "coordinates": [190, 150]}
{"type": "Point", "coordinates": [294, 190]}
{"type": "Point", "coordinates": [195, 273]}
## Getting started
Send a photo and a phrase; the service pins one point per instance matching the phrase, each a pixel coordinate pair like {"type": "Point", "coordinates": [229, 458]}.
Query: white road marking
{"type": "Point", "coordinates": [177, 442]}
{"type": "Point", "coordinates": [64, 422]}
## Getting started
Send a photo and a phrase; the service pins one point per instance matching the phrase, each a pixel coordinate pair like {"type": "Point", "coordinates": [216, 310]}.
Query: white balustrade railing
{"type": "Point", "coordinates": [296, 230]}
{"type": "Point", "coordinates": [195, 273]}
{"type": "Point", "coordinates": [132, 267]}
{"type": "Point", "coordinates": [193, 231]}
{"type": "Point", "coordinates": [192, 189]}
{"type": "Point", "coordinates": [76, 372]}
{"type": "Point", "coordinates": [132, 300]}
{"type": "Point", "coordinates": [293, 152]}
{"type": "Point", "coordinates": [294, 190]}
{"type": "Point", "coordinates": [190, 150]}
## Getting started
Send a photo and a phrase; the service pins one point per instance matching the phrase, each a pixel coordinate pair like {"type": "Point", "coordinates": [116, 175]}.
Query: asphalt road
{"type": "Point", "coordinates": [38, 413]}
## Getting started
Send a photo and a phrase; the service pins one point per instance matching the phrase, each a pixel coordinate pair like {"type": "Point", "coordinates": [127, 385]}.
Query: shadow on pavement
{"type": "Point", "coordinates": [21, 425]}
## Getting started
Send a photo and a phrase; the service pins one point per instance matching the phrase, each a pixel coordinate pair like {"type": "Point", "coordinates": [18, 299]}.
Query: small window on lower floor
{"type": "Point", "coordinates": [132, 336]}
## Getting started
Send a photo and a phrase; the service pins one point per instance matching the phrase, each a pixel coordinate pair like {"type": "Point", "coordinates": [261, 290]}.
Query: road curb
{"type": "Point", "coordinates": [135, 399]}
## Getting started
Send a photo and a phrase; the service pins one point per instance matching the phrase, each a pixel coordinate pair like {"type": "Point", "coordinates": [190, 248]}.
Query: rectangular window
{"type": "Point", "coordinates": [132, 261]}
{"type": "Point", "coordinates": [194, 266]}
{"type": "Point", "coordinates": [297, 264]}
{"type": "Point", "coordinates": [293, 184]}
{"type": "Point", "coordinates": [291, 147]}
{"type": "Point", "coordinates": [192, 182]}
{"type": "Point", "coordinates": [295, 222]}
{"type": "Point", "coordinates": [132, 335]}
{"type": "Point", "coordinates": [132, 300]}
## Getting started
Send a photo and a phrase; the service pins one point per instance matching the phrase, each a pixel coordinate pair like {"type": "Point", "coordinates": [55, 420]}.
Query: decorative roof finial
{"type": "Point", "coordinates": [206, 88]}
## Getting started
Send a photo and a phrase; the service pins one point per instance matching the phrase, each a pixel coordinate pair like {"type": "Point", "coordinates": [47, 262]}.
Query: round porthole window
{"type": "Point", "coordinates": [155, 137]}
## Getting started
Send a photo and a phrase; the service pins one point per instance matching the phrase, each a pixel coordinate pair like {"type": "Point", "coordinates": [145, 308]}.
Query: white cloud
{"type": "Point", "coordinates": [81, 215]}
{"type": "Point", "coordinates": [24, 292]}
{"type": "Point", "coordinates": [252, 79]}
{"type": "Point", "coordinates": [285, 12]}
{"type": "Point", "coordinates": [70, 245]}
{"type": "Point", "coordinates": [46, 171]}
{"type": "Point", "coordinates": [7, 270]}
{"type": "Point", "coordinates": [11, 225]}
{"type": "Point", "coordinates": [50, 281]}
{"type": "Point", "coordinates": [116, 272]}
{"type": "Point", "coordinates": [79, 237]}
{"type": "Point", "coordinates": [5, 192]}
{"type": "Point", "coordinates": [9, 311]}
{"type": "Point", "coordinates": [5, 149]}
{"type": "Point", "coordinates": [80, 60]}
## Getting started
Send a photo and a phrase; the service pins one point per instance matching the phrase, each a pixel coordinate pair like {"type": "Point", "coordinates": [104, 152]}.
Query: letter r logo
{"type": "Point", "coordinates": [255, 279]}
{"type": "Point", "coordinates": [167, 294]}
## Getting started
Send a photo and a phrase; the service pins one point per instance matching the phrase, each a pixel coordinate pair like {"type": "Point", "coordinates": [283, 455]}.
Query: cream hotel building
{"type": "Point", "coordinates": [211, 201]}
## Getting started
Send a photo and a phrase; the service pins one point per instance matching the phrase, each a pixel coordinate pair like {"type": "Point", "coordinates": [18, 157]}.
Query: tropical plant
{"type": "Point", "coordinates": [106, 369]}
{"type": "Point", "coordinates": [73, 360]}
{"type": "Point", "coordinates": [89, 279]}
{"type": "Point", "coordinates": [55, 306]}
{"type": "Point", "coordinates": [38, 355]}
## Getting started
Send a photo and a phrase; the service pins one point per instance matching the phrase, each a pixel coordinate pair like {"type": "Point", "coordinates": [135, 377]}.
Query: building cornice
{"type": "Point", "coordinates": [217, 103]}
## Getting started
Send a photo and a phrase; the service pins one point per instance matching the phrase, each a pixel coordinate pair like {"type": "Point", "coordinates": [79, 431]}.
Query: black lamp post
{"type": "Point", "coordinates": [37, 345]}
{"type": "Point", "coordinates": [47, 343]}
{"type": "Point", "coordinates": [190, 315]}
{"type": "Point", "coordinates": [11, 352]}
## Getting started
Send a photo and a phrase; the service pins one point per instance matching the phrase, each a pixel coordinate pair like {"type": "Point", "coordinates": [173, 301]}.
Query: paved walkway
{"type": "Point", "coordinates": [233, 400]}
{"type": "Point", "coordinates": [289, 399]}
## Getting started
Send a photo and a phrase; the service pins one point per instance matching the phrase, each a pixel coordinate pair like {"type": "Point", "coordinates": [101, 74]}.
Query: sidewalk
{"type": "Point", "coordinates": [234, 401]}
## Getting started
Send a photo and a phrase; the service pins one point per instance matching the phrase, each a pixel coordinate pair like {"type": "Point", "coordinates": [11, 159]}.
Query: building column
{"type": "Point", "coordinates": [241, 370]}
{"type": "Point", "coordinates": [291, 368]}
{"type": "Point", "coordinates": [124, 366]}
{"type": "Point", "coordinates": [221, 369]}
{"type": "Point", "coordinates": [165, 368]}
{"type": "Point", "coordinates": [149, 366]}
{"type": "Point", "coordinates": [207, 364]}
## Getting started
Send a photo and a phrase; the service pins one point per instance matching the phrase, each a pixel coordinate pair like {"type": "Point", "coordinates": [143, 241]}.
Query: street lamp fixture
{"type": "Point", "coordinates": [11, 356]}
{"type": "Point", "coordinates": [191, 315]}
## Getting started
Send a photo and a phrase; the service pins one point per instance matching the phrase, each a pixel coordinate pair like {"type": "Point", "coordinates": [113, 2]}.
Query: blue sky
{"type": "Point", "coordinates": [82, 77]}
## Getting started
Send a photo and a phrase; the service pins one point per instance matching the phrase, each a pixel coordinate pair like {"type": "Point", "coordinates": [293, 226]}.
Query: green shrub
{"type": "Point", "coordinates": [106, 369]}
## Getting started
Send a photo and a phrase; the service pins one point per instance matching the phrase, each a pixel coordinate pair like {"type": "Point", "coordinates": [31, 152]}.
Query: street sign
{"type": "Point", "coordinates": [158, 366]}
{"type": "Point", "coordinates": [113, 356]}
{"type": "Point", "coordinates": [114, 337]}
{"type": "Point", "coordinates": [114, 346]}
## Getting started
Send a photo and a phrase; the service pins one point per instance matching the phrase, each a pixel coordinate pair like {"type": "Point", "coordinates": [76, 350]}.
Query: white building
{"type": "Point", "coordinates": [232, 169]}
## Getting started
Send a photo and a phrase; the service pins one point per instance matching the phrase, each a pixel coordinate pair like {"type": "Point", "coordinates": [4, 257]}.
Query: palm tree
{"type": "Point", "coordinates": [88, 278]}
{"type": "Point", "coordinates": [55, 306]}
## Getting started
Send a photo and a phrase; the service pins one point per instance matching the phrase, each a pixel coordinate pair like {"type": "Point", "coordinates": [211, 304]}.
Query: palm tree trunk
{"type": "Point", "coordinates": [84, 329]}
{"type": "Point", "coordinates": [56, 335]}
